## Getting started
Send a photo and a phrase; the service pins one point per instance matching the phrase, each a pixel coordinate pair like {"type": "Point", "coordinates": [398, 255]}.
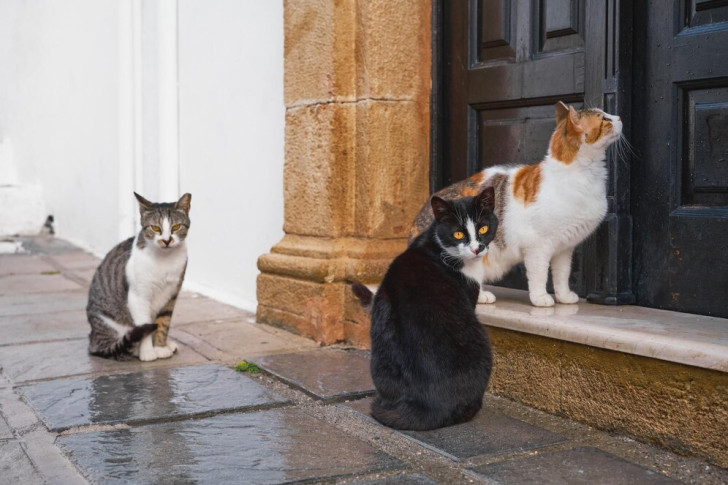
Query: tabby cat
{"type": "Point", "coordinates": [134, 290]}
{"type": "Point", "coordinates": [431, 358]}
{"type": "Point", "coordinates": [545, 209]}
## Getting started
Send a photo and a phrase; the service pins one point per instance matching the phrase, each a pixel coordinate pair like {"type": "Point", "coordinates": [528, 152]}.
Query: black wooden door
{"type": "Point", "coordinates": [680, 180]}
{"type": "Point", "coordinates": [501, 66]}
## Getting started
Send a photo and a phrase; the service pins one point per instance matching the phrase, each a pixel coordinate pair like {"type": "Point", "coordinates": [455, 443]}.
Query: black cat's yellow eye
{"type": "Point", "coordinates": [483, 230]}
{"type": "Point", "coordinates": [176, 227]}
{"type": "Point", "coordinates": [157, 229]}
{"type": "Point", "coordinates": [458, 235]}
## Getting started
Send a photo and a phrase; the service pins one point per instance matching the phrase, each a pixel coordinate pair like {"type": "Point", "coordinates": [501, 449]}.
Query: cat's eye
{"type": "Point", "coordinates": [458, 235]}
{"type": "Point", "coordinates": [483, 230]}
{"type": "Point", "coordinates": [157, 229]}
{"type": "Point", "coordinates": [176, 227]}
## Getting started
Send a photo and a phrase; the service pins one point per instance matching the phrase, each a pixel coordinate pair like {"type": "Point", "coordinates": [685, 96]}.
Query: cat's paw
{"type": "Point", "coordinates": [172, 346]}
{"type": "Point", "coordinates": [486, 297]}
{"type": "Point", "coordinates": [542, 300]}
{"type": "Point", "coordinates": [568, 298]}
{"type": "Point", "coordinates": [163, 352]}
{"type": "Point", "coordinates": [148, 355]}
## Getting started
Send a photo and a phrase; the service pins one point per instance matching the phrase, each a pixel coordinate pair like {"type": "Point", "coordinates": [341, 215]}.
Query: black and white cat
{"type": "Point", "coordinates": [431, 358]}
{"type": "Point", "coordinates": [134, 290]}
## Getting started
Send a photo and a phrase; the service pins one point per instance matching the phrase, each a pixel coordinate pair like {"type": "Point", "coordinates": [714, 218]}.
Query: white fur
{"type": "Point", "coordinates": [153, 274]}
{"type": "Point", "coordinates": [570, 204]}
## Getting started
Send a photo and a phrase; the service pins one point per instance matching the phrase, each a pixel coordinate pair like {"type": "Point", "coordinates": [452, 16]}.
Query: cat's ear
{"type": "Point", "coordinates": [573, 121]}
{"type": "Point", "coordinates": [440, 208]}
{"type": "Point", "coordinates": [486, 199]}
{"type": "Point", "coordinates": [562, 111]}
{"type": "Point", "coordinates": [184, 202]}
{"type": "Point", "coordinates": [144, 204]}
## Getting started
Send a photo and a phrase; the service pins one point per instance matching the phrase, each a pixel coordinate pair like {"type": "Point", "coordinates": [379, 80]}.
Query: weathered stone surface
{"type": "Point", "coordinates": [274, 446]}
{"type": "Point", "coordinates": [76, 260]}
{"type": "Point", "coordinates": [393, 57]}
{"type": "Point", "coordinates": [15, 466]}
{"type": "Point", "coordinates": [244, 340]}
{"type": "Point", "coordinates": [320, 64]}
{"type": "Point", "coordinates": [27, 284]}
{"type": "Point", "coordinates": [5, 431]}
{"type": "Point", "coordinates": [146, 395]}
{"type": "Point", "coordinates": [43, 327]}
{"type": "Point", "coordinates": [42, 303]}
{"type": "Point", "coordinates": [673, 405]}
{"type": "Point", "coordinates": [318, 170]}
{"type": "Point", "coordinates": [201, 309]}
{"type": "Point", "coordinates": [310, 309]}
{"type": "Point", "coordinates": [325, 374]}
{"type": "Point", "coordinates": [49, 360]}
{"type": "Point", "coordinates": [23, 264]}
{"type": "Point", "coordinates": [490, 433]}
{"type": "Point", "coordinates": [389, 195]}
{"type": "Point", "coordinates": [526, 368]}
{"type": "Point", "coordinates": [577, 466]}
{"type": "Point", "coordinates": [400, 479]}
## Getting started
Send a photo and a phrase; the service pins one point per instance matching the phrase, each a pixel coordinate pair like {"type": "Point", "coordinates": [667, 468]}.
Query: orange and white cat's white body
{"type": "Point", "coordinates": [545, 210]}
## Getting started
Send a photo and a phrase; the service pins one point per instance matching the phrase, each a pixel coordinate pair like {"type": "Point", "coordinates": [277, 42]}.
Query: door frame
{"type": "Point", "coordinates": [606, 260]}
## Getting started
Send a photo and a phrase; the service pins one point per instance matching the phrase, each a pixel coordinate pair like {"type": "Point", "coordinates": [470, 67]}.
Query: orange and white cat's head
{"type": "Point", "coordinates": [583, 133]}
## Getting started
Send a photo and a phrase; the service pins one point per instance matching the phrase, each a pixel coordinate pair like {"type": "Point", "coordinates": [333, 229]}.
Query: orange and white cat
{"type": "Point", "coordinates": [544, 210]}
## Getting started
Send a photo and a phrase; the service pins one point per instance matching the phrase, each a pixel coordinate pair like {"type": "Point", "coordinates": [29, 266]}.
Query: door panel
{"type": "Point", "coordinates": [680, 189]}
{"type": "Point", "coordinates": [506, 63]}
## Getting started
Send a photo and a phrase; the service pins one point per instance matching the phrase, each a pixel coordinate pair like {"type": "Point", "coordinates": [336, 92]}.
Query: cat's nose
{"type": "Point", "coordinates": [167, 241]}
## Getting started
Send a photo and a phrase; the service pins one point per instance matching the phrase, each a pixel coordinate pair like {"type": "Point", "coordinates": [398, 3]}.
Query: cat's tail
{"type": "Point", "coordinates": [365, 295]}
{"type": "Point", "coordinates": [408, 416]}
{"type": "Point", "coordinates": [115, 348]}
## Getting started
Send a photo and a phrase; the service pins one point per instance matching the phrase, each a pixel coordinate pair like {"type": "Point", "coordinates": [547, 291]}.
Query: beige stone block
{"type": "Point", "coordinates": [318, 197]}
{"type": "Point", "coordinates": [310, 309]}
{"type": "Point", "coordinates": [526, 368]}
{"type": "Point", "coordinates": [393, 49]}
{"type": "Point", "coordinates": [392, 167]}
{"type": "Point", "coordinates": [669, 404]}
{"type": "Point", "coordinates": [319, 55]}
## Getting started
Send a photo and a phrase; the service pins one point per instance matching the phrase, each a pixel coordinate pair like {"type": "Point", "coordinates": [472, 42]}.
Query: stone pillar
{"type": "Point", "coordinates": [357, 94]}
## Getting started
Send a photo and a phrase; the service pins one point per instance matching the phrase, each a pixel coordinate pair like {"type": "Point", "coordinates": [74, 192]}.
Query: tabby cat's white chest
{"type": "Point", "coordinates": [154, 275]}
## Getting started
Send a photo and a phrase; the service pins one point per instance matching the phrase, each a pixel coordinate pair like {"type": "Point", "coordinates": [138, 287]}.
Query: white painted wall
{"type": "Point", "coordinates": [102, 97]}
{"type": "Point", "coordinates": [231, 116]}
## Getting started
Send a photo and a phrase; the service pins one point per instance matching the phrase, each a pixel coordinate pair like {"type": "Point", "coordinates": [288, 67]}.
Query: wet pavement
{"type": "Point", "coordinates": [67, 417]}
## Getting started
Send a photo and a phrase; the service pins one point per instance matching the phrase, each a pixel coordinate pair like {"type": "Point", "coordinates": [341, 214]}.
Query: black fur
{"type": "Point", "coordinates": [431, 359]}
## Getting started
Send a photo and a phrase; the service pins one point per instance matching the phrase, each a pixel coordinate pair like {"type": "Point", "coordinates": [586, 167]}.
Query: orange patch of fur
{"type": "Point", "coordinates": [565, 142]}
{"type": "Point", "coordinates": [594, 127]}
{"type": "Point", "coordinates": [526, 182]}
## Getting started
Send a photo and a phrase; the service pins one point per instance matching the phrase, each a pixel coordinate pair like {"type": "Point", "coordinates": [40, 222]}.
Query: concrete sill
{"type": "Point", "coordinates": [683, 338]}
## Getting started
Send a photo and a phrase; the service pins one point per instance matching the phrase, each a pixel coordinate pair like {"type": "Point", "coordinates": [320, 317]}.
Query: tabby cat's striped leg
{"type": "Point", "coordinates": [164, 347]}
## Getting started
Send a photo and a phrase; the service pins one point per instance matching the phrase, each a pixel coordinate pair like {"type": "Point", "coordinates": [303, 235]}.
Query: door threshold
{"type": "Point", "coordinates": [694, 340]}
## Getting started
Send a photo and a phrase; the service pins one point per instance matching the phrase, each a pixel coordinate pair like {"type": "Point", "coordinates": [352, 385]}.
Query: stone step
{"type": "Point", "coordinates": [658, 376]}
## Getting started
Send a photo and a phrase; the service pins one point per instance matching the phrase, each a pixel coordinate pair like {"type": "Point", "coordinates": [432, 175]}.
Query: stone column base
{"type": "Point", "coordinates": [304, 285]}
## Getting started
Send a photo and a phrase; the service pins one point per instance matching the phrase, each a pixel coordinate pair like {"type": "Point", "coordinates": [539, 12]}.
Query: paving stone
{"type": "Point", "coordinates": [272, 446]}
{"type": "Point", "coordinates": [77, 260]}
{"type": "Point", "coordinates": [406, 479]}
{"type": "Point", "coordinates": [201, 309]}
{"type": "Point", "coordinates": [245, 340]}
{"type": "Point", "coordinates": [581, 465]}
{"type": "Point", "coordinates": [25, 284]}
{"type": "Point", "coordinates": [23, 264]}
{"type": "Point", "coordinates": [5, 431]}
{"type": "Point", "coordinates": [325, 374]}
{"type": "Point", "coordinates": [28, 304]}
{"type": "Point", "coordinates": [51, 360]}
{"type": "Point", "coordinates": [15, 466]}
{"type": "Point", "coordinates": [147, 395]}
{"type": "Point", "coordinates": [490, 433]}
{"type": "Point", "coordinates": [43, 327]}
